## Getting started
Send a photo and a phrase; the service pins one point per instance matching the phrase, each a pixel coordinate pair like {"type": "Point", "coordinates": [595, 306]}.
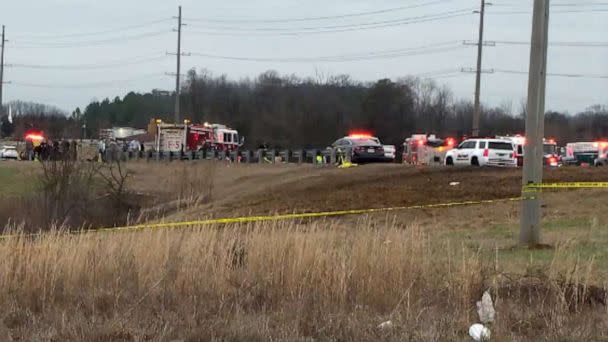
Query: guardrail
{"type": "Point", "coordinates": [260, 156]}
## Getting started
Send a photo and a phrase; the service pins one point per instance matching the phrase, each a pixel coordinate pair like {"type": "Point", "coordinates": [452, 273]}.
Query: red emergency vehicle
{"type": "Point", "coordinates": [550, 154]}
{"type": "Point", "coordinates": [422, 149]}
{"type": "Point", "coordinates": [195, 137]}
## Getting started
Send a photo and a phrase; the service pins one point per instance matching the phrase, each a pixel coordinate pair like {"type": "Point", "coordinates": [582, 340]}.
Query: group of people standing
{"type": "Point", "coordinates": [104, 147]}
{"type": "Point", "coordinates": [51, 150]}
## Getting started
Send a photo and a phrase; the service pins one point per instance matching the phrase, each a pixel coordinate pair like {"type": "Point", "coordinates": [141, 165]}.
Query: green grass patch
{"type": "Point", "coordinates": [578, 238]}
{"type": "Point", "coordinates": [15, 182]}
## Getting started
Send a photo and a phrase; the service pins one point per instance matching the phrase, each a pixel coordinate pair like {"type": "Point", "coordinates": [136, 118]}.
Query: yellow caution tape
{"type": "Point", "coordinates": [250, 219]}
{"type": "Point", "coordinates": [565, 185]}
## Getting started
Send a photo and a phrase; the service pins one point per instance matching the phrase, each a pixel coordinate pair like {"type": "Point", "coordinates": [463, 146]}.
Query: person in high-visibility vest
{"type": "Point", "coordinates": [319, 159]}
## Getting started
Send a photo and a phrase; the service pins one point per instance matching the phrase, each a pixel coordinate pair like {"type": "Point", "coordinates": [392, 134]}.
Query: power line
{"type": "Point", "coordinates": [124, 39]}
{"type": "Point", "coordinates": [318, 18]}
{"type": "Point", "coordinates": [331, 27]}
{"type": "Point", "coordinates": [439, 73]}
{"type": "Point", "coordinates": [385, 54]}
{"type": "Point", "coordinates": [569, 44]}
{"type": "Point", "coordinates": [552, 12]}
{"type": "Point", "coordinates": [563, 4]}
{"type": "Point", "coordinates": [84, 34]}
{"type": "Point", "coordinates": [517, 72]}
{"type": "Point", "coordinates": [339, 28]}
{"type": "Point", "coordinates": [84, 85]}
{"type": "Point", "coordinates": [113, 64]}
{"type": "Point", "coordinates": [441, 76]}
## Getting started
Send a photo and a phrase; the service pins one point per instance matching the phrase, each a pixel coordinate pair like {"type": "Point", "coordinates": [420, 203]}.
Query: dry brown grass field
{"type": "Point", "coordinates": [316, 280]}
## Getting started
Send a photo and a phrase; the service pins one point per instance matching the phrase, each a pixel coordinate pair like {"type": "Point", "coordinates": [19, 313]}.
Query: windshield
{"type": "Point", "coordinates": [366, 142]}
{"type": "Point", "coordinates": [500, 146]}
{"type": "Point", "coordinates": [549, 149]}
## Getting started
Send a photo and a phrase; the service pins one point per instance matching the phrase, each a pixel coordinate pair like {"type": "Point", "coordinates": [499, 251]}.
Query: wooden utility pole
{"type": "Point", "coordinates": [177, 74]}
{"type": "Point", "coordinates": [477, 110]}
{"type": "Point", "coordinates": [535, 126]}
{"type": "Point", "coordinates": [2, 41]}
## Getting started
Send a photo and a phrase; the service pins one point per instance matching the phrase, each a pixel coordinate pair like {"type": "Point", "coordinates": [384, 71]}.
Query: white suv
{"type": "Point", "coordinates": [482, 152]}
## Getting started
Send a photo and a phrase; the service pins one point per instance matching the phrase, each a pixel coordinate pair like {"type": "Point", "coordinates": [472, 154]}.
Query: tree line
{"type": "Point", "coordinates": [288, 111]}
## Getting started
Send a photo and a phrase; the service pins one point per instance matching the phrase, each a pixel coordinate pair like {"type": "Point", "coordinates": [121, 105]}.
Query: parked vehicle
{"type": "Point", "coordinates": [363, 148]}
{"type": "Point", "coordinates": [390, 153]}
{"type": "Point", "coordinates": [483, 152]}
{"type": "Point", "coordinates": [579, 153]}
{"type": "Point", "coordinates": [551, 156]}
{"type": "Point", "coordinates": [602, 158]}
{"type": "Point", "coordinates": [195, 137]}
{"type": "Point", "coordinates": [9, 152]}
{"type": "Point", "coordinates": [422, 149]}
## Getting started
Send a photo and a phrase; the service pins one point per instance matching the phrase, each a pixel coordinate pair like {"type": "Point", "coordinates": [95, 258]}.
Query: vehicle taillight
{"type": "Point", "coordinates": [486, 152]}
{"type": "Point", "coordinates": [552, 161]}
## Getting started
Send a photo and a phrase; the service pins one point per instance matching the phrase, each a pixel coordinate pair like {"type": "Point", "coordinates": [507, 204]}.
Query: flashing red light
{"type": "Point", "coordinates": [420, 142]}
{"type": "Point", "coordinates": [34, 137]}
{"type": "Point", "coordinates": [450, 142]}
{"type": "Point", "coordinates": [551, 141]}
{"type": "Point", "coordinates": [595, 144]}
{"type": "Point", "coordinates": [552, 161]}
{"type": "Point", "coordinates": [359, 135]}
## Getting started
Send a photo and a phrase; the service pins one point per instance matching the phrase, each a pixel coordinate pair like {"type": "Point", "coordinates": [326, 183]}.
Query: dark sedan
{"type": "Point", "coordinates": [363, 148]}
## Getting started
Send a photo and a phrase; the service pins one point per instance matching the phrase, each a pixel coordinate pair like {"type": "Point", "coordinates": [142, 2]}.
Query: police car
{"type": "Point", "coordinates": [483, 152]}
{"type": "Point", "coordinates": [364, 148]}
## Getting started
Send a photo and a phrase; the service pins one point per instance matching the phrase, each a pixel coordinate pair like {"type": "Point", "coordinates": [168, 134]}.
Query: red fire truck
{"type": "Point", "coordinates": [550, 153]}
{"type": "Point", "coordinates": [195, 137]}
{"type": "Point", "coordinates": [422, 149]}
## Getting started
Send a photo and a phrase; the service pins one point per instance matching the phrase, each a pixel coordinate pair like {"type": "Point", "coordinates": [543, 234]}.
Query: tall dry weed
{"type": "Point", "coordinates": [278, 280]}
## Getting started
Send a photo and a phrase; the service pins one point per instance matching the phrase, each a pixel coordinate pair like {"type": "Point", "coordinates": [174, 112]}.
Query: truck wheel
{"type": "Point", "coordinates": [475, 161]}
{"type": "Point", "coordinates": [449, 161]}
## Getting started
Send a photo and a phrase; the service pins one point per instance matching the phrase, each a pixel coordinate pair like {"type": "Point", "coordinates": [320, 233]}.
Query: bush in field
{"type": "Point", "coordinates": [67, 190]}
{"type": "Point", "coordinates": [72, 194]}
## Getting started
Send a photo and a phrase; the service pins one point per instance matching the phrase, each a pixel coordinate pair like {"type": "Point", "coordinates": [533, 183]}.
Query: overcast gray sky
{"type": "Point", "coordinates": [68, 52]}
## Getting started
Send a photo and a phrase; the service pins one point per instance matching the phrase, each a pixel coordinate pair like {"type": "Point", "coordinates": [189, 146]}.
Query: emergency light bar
{"type": "Point", "coordinates": [34, 136]}
{"type": "Point", "coordinates": [360, 135]}
{"type": "Point", "coordinates": [602, 144]}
